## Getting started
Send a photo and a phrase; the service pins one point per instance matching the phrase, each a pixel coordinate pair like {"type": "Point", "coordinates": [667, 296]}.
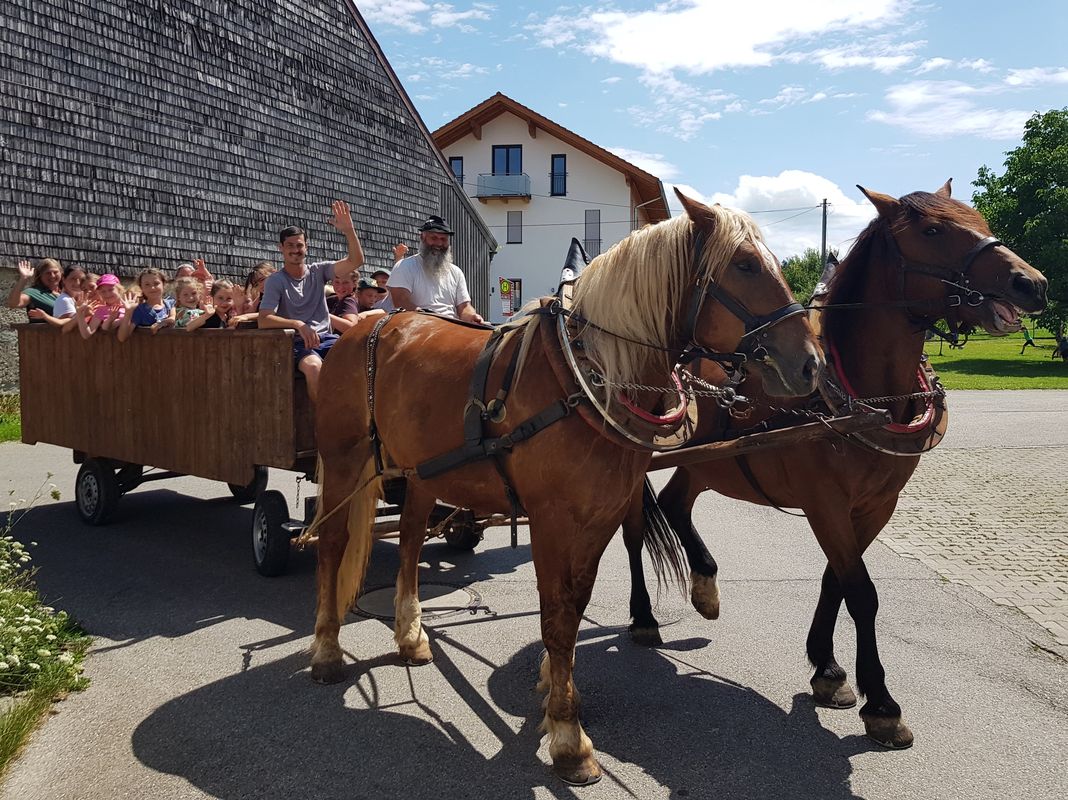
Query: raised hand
{"type": "Point", "coordinates": [342, 217]}
{"type": "Point", "coordinates": [130, 300]}
{"type": "Point", "coordinates": [25, 270]}
{"type": "Point", "coordinates": [400, 250]}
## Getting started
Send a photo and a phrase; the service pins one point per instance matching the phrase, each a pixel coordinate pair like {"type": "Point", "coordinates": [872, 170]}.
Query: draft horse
{"type": "Point", "coordinates": [636, 308]}
{"type": "Point", "coordinates": [925, 258]}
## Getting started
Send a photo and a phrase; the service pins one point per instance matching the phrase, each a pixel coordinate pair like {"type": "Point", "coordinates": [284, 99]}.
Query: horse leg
{"type": "Point", "coordinates": [677, 500]}
{"type": "Point", "coordinates": [343, 548]}
{"type": "Point", "coordinates": [881, 713]}
{"type": "Point", "coordinates": [412, 642]}
{"type": "Point", "coordinates": [644, 629]}
{"type": "Point", "coordinates": [829, 686]}
{"type": "Point", "coordinates": [566, 572]}
{"type": "Point", "coordinates": [843, 540]}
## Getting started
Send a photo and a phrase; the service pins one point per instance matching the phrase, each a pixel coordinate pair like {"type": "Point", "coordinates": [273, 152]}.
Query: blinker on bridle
{"type": "Point", "coordinates": [750, 346]}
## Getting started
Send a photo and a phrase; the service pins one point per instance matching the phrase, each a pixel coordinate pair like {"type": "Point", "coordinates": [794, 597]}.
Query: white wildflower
{"type": "Point", "coordinates": [65, 658]}
{"type": "Point", "coordinates": [44, 653]}
{"type": "Point", "coordinates": [34, 667]}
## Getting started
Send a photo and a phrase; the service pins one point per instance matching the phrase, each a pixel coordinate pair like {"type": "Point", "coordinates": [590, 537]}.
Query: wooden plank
{"type": "Point", "coordinates": [769, 439]}
{"type": "Point", "coordinates": [211, 403]}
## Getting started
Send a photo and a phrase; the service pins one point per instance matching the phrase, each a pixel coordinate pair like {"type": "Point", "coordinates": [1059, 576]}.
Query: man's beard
{"type": "Point", "coordinates": [435, 259]}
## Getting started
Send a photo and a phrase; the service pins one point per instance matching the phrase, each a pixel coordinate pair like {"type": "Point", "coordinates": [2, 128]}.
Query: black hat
{"type": "Point", "coordinates": [367, 283]}
{"type": "Point", "coordinates": [436, 224]}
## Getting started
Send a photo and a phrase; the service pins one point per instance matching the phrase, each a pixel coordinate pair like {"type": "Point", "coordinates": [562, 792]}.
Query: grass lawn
{"type": "Point", "coordinates": [10, 425]}
{"type": "Point", "coordinates": [989, 362]}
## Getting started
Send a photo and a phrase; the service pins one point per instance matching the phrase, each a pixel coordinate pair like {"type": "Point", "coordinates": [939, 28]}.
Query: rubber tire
{"type": "Point", "coordinates": [270, 540]}
{"type": "Point", "coordinates": [253, 489]}
{"type": "Point", "coordinates": [463, 535]}
{"type": "Point", "coordinates": [96, 491]}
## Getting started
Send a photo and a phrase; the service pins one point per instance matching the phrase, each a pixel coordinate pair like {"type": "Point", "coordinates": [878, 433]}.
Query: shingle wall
{"type": "Point", "coordinates": [150, 132]}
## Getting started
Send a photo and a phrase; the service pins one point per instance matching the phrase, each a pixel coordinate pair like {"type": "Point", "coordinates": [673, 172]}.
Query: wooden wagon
{"type": "Point", "coordinates": [216, 404]}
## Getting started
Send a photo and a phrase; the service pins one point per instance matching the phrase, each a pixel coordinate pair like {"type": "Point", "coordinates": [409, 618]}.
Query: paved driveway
{"type": "Point", "coordinates": [200, 686]}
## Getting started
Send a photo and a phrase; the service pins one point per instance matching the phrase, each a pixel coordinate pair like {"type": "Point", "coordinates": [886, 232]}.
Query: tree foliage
{"type": "Point", "coordinates": [1027, 206]}
{"type": "Point", "coordinates": [803, 271]}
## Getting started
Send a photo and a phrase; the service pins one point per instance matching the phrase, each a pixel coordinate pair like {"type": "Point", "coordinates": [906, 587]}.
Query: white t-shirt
{"type": "Point", "coordinates": [64, 306]}
{"type": "Point", "coordinates": [441, 296]}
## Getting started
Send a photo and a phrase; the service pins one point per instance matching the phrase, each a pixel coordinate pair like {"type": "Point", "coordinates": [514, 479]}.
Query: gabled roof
{"type": "Point", "coordinates": [647, 186]}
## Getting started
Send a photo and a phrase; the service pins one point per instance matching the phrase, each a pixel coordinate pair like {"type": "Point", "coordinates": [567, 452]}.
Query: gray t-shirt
{"type": "Point", "coordinates": [303, 298]}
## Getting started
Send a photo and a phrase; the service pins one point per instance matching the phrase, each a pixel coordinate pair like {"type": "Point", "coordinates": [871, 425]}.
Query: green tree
{"type": "Point", "coordinates": [1027, 206]}
{"type": "Point", "coordinates": [803, 271]}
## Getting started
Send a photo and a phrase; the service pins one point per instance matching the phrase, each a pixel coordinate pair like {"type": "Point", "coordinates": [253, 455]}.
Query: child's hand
{"type": "Point", "coordinates": [235, 320]}
{"type": "Point", "coordinates": [166, 322]}
{"type": "Point", "coordinates": [400, 250]}
{"type": "Point", "coordinates": [130, 300]}
{"type": "Point", "coordinates": [113, 312]}
{"type": "Point", "coordinates": [35, 313]}
{"type": "Point", "coordinates": [84, 308]}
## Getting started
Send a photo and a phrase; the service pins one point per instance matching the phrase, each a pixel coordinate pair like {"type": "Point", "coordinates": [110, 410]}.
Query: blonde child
{"type": "Point", "coordinates": [110, 310]}
{"type": "Point", "coordinates": [221, 313]}
{"type": "Point", "coordinates": [187, 307]}
{"type": "Point", "coordinates": [154, 312]}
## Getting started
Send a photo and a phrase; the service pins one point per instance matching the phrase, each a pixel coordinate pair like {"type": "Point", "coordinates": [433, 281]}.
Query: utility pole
{"type": "Point", "coordinates": [823, 241]}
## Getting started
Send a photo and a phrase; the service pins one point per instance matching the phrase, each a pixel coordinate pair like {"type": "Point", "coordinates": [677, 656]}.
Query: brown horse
{"type": "Point", "coordinates": [925, 257]}
{"type": "Point", "coordinates": [641, 302]}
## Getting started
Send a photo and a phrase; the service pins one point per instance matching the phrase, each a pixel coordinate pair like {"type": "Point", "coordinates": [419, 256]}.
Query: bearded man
{"type": "Point", "coordinates": [429, 280]}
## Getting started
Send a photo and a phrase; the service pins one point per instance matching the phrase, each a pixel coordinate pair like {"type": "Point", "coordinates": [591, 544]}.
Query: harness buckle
{"type": "Point", "coordinates": [953, 301]}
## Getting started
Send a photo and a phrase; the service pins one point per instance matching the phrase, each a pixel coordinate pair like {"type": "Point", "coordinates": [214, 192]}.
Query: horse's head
{"type": "Point", "coordinates": [953, 267]}
{"type": "Point", "coordinates": [741, 302]}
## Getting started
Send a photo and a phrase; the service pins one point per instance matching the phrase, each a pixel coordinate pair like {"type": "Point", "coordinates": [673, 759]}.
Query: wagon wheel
{"type": "Point", "coordinates": [96, 491]}
{"type": "Point", "coordinates": [463, 533]}
{"type": "Point", "coordinates": [251, 490]}
{"type": "Point", "coordinates": [270, 536]}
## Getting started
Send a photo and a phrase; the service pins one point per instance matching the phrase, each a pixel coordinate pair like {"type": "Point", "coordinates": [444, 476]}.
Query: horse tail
{"type": "Point", "coordinates": [665, 548]}
{"type": "Point", "coordinates": [362, 504]}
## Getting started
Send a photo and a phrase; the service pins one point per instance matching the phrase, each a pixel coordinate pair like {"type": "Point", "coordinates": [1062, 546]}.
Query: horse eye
{"type": "Point", "coordinates": [745, 266]}
{"type": "Point", "coordinates": [933, 230]}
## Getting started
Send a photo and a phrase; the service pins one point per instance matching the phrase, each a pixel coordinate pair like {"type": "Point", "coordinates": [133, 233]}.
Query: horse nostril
{"type": "Point", "coordinates": [811, 369]}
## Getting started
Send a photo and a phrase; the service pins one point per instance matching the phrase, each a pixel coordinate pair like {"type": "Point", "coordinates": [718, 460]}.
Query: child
{"type": "Point", "coordinates": [110, 310]}
{"type": "Point", "coordinates": [222, 315]}
{"type": "Point", "coordinates": [154, 311]}
{"type": "Point", "coordinates": [66, 305]}
{"type": "Point", "coordinates": [187, 309]}
{"type": "Point", "coordinates": [248, 302]}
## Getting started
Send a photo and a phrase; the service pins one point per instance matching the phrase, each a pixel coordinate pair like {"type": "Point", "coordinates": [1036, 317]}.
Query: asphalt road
{"type": "Point", "coordinates": [200, 685]}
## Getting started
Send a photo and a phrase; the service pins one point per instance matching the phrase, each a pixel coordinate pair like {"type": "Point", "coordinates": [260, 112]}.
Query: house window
{"type": "Point", "coordinates": [558, 175]}
{"type": "Point", "coordinates": [456, 164]}
{"type": "Point", "coordinates": [507, 159]}
{"type": "Point", "coordinates": [592, 241]}
{"type": "Point", "coordinates": [515, 227]}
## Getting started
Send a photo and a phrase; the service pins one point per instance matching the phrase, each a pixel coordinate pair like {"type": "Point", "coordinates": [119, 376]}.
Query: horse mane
{"type": "Point", "coordinates": [876, 243]}
{"type": "Point", "coordinates": [638, 290]}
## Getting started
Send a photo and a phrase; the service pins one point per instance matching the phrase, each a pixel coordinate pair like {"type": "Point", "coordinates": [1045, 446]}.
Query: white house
{"type": "Point", "coordinates": [538, 185]}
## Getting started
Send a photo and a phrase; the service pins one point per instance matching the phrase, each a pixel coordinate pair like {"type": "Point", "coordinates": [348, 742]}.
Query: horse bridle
{"type": "Point", "coordinates": [953, 279]}
{"type": "Point", "coordinates": [750, 346]}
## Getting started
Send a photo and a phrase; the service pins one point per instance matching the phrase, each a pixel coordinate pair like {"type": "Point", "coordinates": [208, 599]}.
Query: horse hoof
{"type": "Point", "coordinates": [418, 656]}
{"type": "Point", "coordinates": [830, 693]}
{"type": "Point", "coordinates": [704, 595]}
{"type": "Point", "coordinates": [328, 672]}
{"type": "Point", "coordinates": [890, 732]}
{"type": "Point", "coordinates": [578, 772]}
{"type": "Point", "coordinates": [646, 635]}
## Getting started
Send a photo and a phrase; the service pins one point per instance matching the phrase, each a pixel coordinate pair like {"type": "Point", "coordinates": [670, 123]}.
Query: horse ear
{"type": "Point", "coordinates": [703, 216]}
{"type": "Point", "coordinates": [884, 203]}
{"type": "Point", "coordinates": [946, 190]}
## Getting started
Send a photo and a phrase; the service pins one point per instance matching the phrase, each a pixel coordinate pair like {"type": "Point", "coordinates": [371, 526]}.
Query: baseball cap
{"type": "Point", "coordinates": [381, 271]}
{"type": "Point", "coordinates": [367, 283]}
{"type": "Point", "coordinates": [108, 280]}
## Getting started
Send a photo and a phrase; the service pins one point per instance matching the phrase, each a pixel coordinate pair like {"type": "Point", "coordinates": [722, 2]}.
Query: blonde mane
{"type": "Point", "coordinates": [640, 289]}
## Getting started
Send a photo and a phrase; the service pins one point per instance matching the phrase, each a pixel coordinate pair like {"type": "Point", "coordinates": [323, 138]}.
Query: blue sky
{"type": "Point", "coordinates": [760, 104]}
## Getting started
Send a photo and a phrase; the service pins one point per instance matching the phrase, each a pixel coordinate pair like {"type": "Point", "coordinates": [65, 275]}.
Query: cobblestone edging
{"type": "Point", "coordinates": [995, 520]}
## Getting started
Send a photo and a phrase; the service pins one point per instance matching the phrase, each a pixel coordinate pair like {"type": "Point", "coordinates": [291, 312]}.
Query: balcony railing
{"type": "Point", "coordinates": [503, 186]}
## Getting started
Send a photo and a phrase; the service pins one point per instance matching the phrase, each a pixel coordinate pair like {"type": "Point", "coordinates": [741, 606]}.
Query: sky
{"type": "Point", "coordinates": [769, 106]}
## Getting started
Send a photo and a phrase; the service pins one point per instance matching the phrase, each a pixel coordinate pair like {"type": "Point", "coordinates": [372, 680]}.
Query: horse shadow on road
{"type": "Point", "coordinates": [170, 565]}
{"type": "Point", "coordinates": [269, 732]}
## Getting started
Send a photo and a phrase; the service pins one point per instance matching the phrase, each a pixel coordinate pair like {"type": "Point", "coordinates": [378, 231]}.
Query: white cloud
{"type": "Point", "coordinates": [705, 35]}
{"type": "Point", "coordinates": [653, 163]}
{"type": "Point", "coordinates": [786, 206]}
{"type": "Point", "coordinates": [445, 70]}
{"type": "Point", "coordinates": [977, 64]}
{"type": "Point", "coordinates": [933, 63]}
{"type": "Point", "coordinates": [417, 16]}
{"type": "Point", "coordinates": [1036, 76]}
{"type": "Point", "coordinates": [940, 109]}
{"type": "Point", "coordinates": [613, 79]}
